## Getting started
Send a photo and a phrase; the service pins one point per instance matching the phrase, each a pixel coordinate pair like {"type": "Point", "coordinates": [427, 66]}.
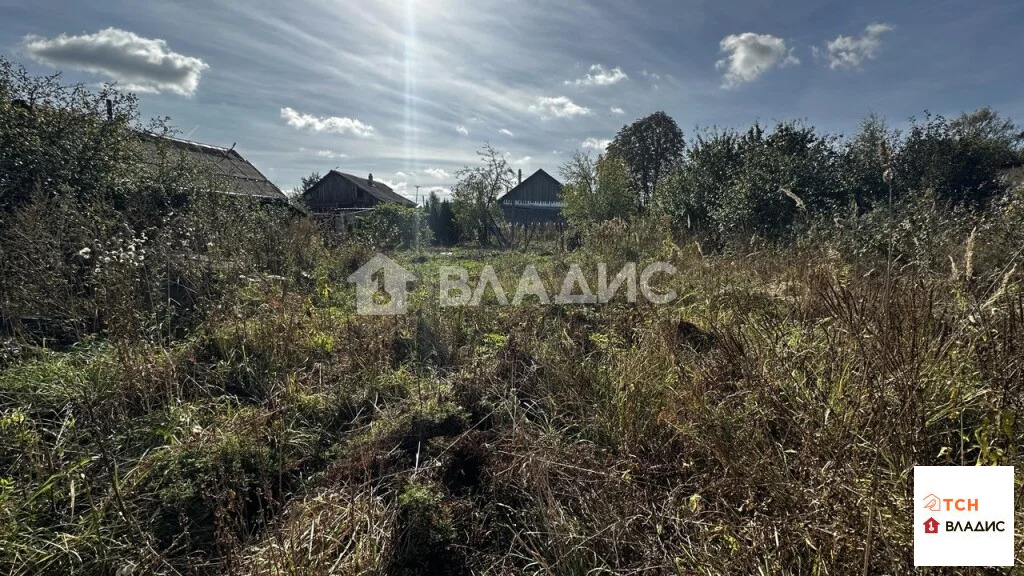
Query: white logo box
{"type": "Point", "coordinates": [973, 508]}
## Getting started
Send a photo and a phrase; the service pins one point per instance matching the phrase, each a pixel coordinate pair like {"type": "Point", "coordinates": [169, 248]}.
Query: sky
{"type": "Point", "coordinates": [409, 90]}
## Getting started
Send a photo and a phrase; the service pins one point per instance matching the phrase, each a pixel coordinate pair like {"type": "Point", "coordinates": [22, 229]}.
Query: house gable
{"type": "Point", "coordinates": [338, 191]}
{"type": "Point", "coordinates": [538, 190]}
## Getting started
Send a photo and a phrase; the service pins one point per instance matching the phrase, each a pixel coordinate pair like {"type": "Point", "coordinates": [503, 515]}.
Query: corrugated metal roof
{"type": "Point", "coordinates": [240, 176]}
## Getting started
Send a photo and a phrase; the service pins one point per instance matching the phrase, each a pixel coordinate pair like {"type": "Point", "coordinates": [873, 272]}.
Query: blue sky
{"type": "Point", "coordinates": [410, 89]}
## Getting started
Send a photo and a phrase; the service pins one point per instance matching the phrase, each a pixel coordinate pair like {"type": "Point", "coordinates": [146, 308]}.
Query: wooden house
{"type": "Point", "coordinates": [338, 191]}
{"type": "Point", "coordinates": [339, 198]}
{"type": "Point", "coordinates": [536, 201]}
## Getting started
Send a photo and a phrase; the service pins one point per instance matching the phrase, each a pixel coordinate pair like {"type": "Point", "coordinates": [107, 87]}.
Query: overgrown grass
{"type": "Point", "coordinates": [765, 422]}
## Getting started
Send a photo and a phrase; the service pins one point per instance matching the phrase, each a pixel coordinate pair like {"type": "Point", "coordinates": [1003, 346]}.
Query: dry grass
{"type": "Point", "coordinates": [767, 422]}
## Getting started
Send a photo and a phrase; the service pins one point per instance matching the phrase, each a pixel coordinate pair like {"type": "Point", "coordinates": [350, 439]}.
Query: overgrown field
{"type": "Point", "coordinates": [186, 387]}
{"type": "Point", "coordinates": [765, 422]}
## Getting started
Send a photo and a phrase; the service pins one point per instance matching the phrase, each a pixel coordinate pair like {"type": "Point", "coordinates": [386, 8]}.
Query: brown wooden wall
{"type": "Point", "coordinates": [537, 188]}
{"type": "Point", "coordinates": [335, 192]}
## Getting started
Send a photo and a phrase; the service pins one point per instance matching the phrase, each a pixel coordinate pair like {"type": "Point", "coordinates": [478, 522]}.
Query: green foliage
{"type": "Point", "coordinates": [959, 160]}
{"type": "Point", "coordinates": [594, 192]}
{"type": "Point", "coordinates": [442, 222]}
{"type": "Point", "coordinates": [754, 183]}
{"type": "Point", "coordinates": [55, 140]}
{"type": "Point", "coordinates": [762, 423]}
{"type": "Point", "coordinates": [99, 234]}
{"type": "Point", "coordinates": [390, 226]}
{"type": "Point", "coordinates": [307, 183]}
{"type": "Point", "coordinates": [649, 147]}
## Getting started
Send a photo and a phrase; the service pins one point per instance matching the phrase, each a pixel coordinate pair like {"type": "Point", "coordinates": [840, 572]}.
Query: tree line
{"type": "Point", "coordinates": [773, 181]}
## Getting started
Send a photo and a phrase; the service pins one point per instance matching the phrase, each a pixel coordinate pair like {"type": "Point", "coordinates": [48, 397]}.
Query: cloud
{"type": "Point", "coordinates": [522, 161]}
{"type": "Point", "coordinates": [331, 154]}
{"type": "Point", "coordinates": [401, 188]}
{"type": "Point", "coordinates": [139, 64]}
{"type": "Point", "coordinates": [751, 55]}
{"type": "Point", "coordinates": [595, 144]}
{"type": "Point", "coordinates": [617, 110]}
{"type": "Point", "coordinates": [848, 52]}
{"type": "Point", "coordinates": [439, 173]}
{"type": "Point", "coordinates": [462, 130]}
{"type": "Point", "coordinates": [506, 132]}
{"type": "Point", "coordinates": [335, 124]}
{"type": "Point", "coordinates": [558, 107]}
{"type": "Point", "coordinates": [598, 76]}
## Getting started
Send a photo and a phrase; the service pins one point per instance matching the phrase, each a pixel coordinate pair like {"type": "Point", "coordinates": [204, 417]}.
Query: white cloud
{"type": "Point", "coordinates": [522, 161]}
{"type": "Point", "coordinates": [324, 153]}
{"type": "Point", "coordinates": [462, 130]}
{"type": "Point", "coordinates": [617, 110]}
{"type": "Point", "coordinates": [751, 55]}
{"type": "Point", "coordinates": [401, 188]}
{"type": "Point", "coordinates": [335, 124]}
{"type": "Point", "coordinates": [558, 107]}
{"type": "Point", "coordinates": [849, 52]}
{"type": "Point", "coordinates": [596, 144]}
{"type": "Point", "coordinates": [506, 132]}
{"type": "Point", "coordinates": [650, 76]}
{"type": "Point", "coordinates": [439, 173]}
{"type": "Point", "coordinates": [598, 76]}
{"type": "Point", "coordinates": [137, 63]}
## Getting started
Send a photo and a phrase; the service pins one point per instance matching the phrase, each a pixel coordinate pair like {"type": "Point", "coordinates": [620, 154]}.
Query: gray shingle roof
{"type": "Point", "coordinates": [241, 177]}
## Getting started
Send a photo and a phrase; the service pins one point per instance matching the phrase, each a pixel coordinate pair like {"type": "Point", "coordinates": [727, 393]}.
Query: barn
{"type": "Point", "coordinates": [339, 198]}
{"type": "Point", "coordinates": [238, 175]}
{"type": "Point", "coordinates": [338, 191]}
{"type": "Point", "coordinates": [535, 201]}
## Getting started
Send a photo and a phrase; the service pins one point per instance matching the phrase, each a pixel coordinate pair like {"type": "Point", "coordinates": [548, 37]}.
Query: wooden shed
{"type": "Point", "coordinates": [338, 191]}
{"type": "Point", "coordinates": [339, 199]}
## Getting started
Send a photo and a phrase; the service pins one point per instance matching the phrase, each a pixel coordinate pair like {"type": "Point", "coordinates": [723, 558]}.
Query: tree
{"type": "Point", "coordinates": [865, 160]}
{"type": "Point", "coordinates": [755, 182]}
{"type": "Point", "coordinates": [596, 191]}
{"type": "Point", "coordinates": [474, 196]}
{"type": "Point", "coordinates": [307, 183]}
{"type": "Point", "coordinates": [958, 160]}
{"type": "Point", "coordinates": [390, 226]}
{"type": "Point", "coordinates": [649, 147]}
{"type": "Point", "coordinates": [441, 219]}
{"type": "Point", "coordinates": [57, 138]}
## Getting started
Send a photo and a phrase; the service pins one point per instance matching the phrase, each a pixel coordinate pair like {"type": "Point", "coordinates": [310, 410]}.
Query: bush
{"type": "Point", "coordinates": [390, 226]}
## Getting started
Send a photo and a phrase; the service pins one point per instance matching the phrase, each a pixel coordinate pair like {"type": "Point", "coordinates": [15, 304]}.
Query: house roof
{"type": "Point", "coordinates": [538, 174]}
{"type": "Point", "coordinates": [378, 190]}
{"type": "Point", "coordinates": [240, 176]}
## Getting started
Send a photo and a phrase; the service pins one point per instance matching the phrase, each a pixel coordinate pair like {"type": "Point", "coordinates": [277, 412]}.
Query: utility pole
{"type": "Point", "coordinates": [419, 214]}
